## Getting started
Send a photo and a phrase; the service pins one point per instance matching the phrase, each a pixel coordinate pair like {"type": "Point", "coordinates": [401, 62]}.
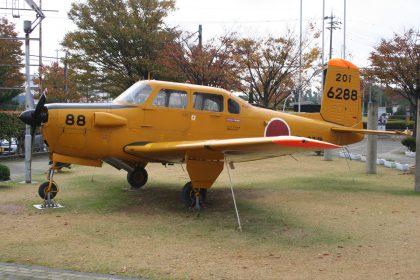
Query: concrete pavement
{"type": "Point", "coordinates": [388, 148]}
{"type": "Point", "coordinates": [17, 166]}
{"type": "Point", "coordinates": [33, 272]}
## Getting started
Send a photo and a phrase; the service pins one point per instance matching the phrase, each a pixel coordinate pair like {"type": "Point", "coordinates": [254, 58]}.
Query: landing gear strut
{"type": "Point", "coordinates": [137, 178]}
{"type": "Point", "coordinates": [193, 197]}
{"type": "Point", "coordinates": [49, 189]}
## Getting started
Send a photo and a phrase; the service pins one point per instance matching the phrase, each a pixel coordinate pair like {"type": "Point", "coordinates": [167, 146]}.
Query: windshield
{"type": "Point", "coordinates": [136, 94]}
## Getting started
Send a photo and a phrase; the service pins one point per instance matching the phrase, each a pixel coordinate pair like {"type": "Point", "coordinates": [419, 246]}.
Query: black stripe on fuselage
{"type": "Point", "coordinates": [87, 106]}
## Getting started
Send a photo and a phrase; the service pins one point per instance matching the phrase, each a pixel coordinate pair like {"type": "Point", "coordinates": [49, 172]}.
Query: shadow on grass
{"type": "Point", "coordinates": [162, 202]}
{"type": "Point", "coordinates": [347, 185]}
{"type": "Point", "coordinates": [3, 186]}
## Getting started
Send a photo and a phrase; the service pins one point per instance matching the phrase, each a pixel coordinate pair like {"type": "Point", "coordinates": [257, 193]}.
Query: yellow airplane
{"type": "Point", "coordinates": [202, 127]}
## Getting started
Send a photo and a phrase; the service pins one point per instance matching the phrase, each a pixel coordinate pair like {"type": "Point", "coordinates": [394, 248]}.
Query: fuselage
{"type": "Point", "coordinates": [167, 112]}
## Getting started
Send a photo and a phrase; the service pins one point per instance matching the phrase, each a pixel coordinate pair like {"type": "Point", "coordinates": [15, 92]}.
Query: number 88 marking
{"type": "Point", "coordinates": [80, 121]}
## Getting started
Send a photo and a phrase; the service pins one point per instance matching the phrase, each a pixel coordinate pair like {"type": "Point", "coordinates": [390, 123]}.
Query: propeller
{"type": "Point", "coordinates": [35, 117]}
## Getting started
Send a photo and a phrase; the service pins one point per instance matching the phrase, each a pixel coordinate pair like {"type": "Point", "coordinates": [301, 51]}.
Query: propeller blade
{"type": "Point", "coordinates": [33, 130]}
{"type": "Point", "coordinates": [40, 104]}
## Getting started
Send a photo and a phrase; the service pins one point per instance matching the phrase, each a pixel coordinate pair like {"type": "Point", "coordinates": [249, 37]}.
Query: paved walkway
{"type": "Point", "coordinates": [32, 272]}
{"type": "Point", "coordinates": [388, 148]}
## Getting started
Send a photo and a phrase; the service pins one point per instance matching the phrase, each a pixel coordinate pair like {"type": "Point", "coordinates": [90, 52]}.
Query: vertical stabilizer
{"type": "Point", "coordinates": [341, 99]}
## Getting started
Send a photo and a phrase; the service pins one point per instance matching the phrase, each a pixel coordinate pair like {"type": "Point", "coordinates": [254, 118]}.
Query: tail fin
{"type": "Point", "coordinates": [341, 100]}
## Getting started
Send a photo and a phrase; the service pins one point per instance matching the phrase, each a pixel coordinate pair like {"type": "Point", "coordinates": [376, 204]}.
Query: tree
{"type": "Point", "coordinates": [211, 64]}
{"type": "Point", "coordinates": [10, 58]}
{"type": "Point", "coordinates": [271, 67]}
{"type": "Point", "coordinates": [60, 88]}
{"type": "Point", "coordinates": [117, 42]}
{"type": "Point", "coordinates": [395, 64]}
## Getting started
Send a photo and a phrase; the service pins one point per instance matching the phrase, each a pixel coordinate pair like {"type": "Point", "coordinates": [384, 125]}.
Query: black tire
{"type": "Point", "coordinates": [43, 188]}
{"type": "Point", "coordinates": [137, 178]}
{"type": "Point", "coordinates": [188, 196]}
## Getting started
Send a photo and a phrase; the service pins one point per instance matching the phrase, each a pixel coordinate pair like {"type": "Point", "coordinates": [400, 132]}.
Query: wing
{"type": "Point", "coordinates": [237, 150]}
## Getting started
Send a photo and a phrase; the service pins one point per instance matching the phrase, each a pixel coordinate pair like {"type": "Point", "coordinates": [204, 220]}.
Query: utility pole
{"type": "Point", "coordinates": [333, 25]}
{"type": "Point", "coordinates": [200, 36]}
{"type": "Point", "coordinates": [28, 27]}
{"type": "Point", "coordinates": [65, 78]}
{"type": "Point", "coordinates": [40, 51]}
{"type": "Point", "coordinates": [417, 178]}
{"type": "Point", "coordinates": [300, 57]}
{"type": "Point", "coordinates": [372, 148]}
{"type": "Point", "coordinates": [323, 34]}
{"type": "Point", "coordinates": [344, 31]}
{"type": "Point", "coordinates": [29, 105]}
{"type": "Point", "coordinates": [327, 152]}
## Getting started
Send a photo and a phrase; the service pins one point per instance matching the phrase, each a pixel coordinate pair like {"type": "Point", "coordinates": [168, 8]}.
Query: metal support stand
{"type": "Point", "coordinates": [50, 203]}
{"type": "Point", "coordinates": [234, 200]}
{"type": "Point", "coordinates": [197, 199]}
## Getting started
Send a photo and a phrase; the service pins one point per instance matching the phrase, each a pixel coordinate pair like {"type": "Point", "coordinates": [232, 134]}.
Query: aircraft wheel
{"type": "Point", "coordinates": [42, 190]}
{"type": "Point", "coordinates": [188, 195]}
{"type": "Point", "coordinates": [137, 178]}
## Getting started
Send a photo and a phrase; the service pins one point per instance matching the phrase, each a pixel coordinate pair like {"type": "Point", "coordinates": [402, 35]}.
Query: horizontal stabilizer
{"type": "Point", "coordinates": [368, 131]}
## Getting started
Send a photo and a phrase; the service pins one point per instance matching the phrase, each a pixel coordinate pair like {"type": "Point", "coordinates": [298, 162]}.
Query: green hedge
{"type": "Point", "coordinates": [399, 125]}
{"type": "Point", "coordinates": [11, 126]}
{"type": "Point", "coordinates": [397, 117]}
{"type": "Point", "coordinates": [4, 172]}
{"type": "Point", "coordinates": [410, 143]}
{"type": "Point", "coordinates": [395, 125]}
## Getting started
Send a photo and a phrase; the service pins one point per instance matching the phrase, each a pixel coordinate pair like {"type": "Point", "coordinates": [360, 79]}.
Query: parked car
{"type": "Point", "coordinates": [8, 147]}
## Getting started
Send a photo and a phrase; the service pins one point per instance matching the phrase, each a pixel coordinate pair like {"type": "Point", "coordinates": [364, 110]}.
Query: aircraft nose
{"type": "Point", "coordinates": [28, 117]}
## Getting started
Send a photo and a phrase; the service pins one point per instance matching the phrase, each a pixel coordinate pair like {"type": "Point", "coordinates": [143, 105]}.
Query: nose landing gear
{"type": "Point", "coordinates": [48, 190]}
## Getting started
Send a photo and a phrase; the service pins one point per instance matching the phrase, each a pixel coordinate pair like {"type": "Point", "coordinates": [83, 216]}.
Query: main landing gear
{"type": "Point", "coordinates": [193, 197]}
{"type": "Point", "coordinates": [137, 177]}
{"type": "Point", "coordinates": [49, 189]}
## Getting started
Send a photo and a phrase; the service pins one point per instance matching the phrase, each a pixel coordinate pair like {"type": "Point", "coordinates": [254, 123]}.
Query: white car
{"type": "Point", "coordinates": [8, 148]}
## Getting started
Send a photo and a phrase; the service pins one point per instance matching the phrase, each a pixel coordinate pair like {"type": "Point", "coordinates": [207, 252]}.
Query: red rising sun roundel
{"type": "Point", "coordinates": [277, 127]}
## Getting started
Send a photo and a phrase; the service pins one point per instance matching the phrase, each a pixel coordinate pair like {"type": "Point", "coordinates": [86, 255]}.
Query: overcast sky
{"type": "Point", "coordinates": [367, 21]}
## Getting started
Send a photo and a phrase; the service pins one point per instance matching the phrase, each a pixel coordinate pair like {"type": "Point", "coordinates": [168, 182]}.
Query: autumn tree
{"type": "Point", "coordinates": [395, 64]}
{"type": "Point", "coordinates": [117, 42]}
{"type": "Point", "coordinates": [61, 87]}
{"type": "Point", "coordinates": [211, 64]}
{"type": "Point", "coordinates": [271, 66]}
{"type": "Point", "coordinates": [10, 57]}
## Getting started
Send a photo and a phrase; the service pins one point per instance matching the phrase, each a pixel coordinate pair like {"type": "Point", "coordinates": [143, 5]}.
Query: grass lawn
{"type": "Point", "coordinates": [302, 219]}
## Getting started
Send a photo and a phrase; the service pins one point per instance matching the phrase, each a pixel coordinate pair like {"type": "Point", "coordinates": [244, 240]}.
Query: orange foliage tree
{"type": "Point", "coordinates": [211, 64]}
{"type": "Point", "coordinates": [10, 57]}
{"type": "Point", "coordinates": [395, 64]}
{"type": "Point", "coordinates": [271, 66]}
{"type": "Point", "coordinates": [60, 88]}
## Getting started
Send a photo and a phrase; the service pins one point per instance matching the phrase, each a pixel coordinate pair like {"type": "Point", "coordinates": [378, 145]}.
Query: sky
{"type": "Point", "coordinates": [367, 21]}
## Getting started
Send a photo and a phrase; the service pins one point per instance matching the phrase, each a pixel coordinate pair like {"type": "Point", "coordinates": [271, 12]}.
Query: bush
{"type": "Point", "coordinates": [410, 143]}
{"type": "Point", "coordinates": [395, 125]}
{"type": "Point", "coordinates": [4, 173]}
{"type": "Point", "coordinates": [399, 125]}
{"type": "Point", "coordinates": [397, 117]}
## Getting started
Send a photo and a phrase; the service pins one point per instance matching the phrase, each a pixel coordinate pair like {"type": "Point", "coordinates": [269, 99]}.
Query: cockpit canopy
{"type": "Point", "coordinates": [136, 94]}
